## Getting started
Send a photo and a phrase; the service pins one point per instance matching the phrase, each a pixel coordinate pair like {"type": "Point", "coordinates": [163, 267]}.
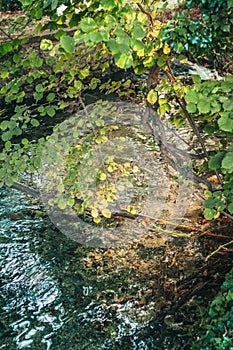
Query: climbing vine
{"type": "Point", "coordinates": [78, 50]}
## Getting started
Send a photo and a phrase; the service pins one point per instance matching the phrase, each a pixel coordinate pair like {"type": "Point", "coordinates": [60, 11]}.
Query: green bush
{"type": "Point", "coordinates": [210, 34]}
{"type": "Point", "coordinates": [219, 319]}
{"type": "Point", "coordinates": [10, 6]}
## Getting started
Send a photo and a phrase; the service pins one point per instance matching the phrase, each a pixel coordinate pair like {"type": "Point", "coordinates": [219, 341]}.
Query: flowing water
{"type": "Point", "coordinates": [58, 294]}
{"type": "Point", "coordinates": [48, 301]}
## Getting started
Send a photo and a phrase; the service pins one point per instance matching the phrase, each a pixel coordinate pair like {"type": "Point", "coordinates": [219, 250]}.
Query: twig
{"type": "Point", "coordinates": [146, 13]}
{"type": "Point", "coordinates": [217, 250]}
{"type": "Point", "coordinates": [173, 233]}
{"type": "Point", "coordinates": [226, 214]}
{"type": "Point", "coordinates": [5, 33]}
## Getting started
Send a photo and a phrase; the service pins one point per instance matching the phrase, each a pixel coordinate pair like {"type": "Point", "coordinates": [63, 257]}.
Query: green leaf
{"type": "Point", "coordinates": [38, 96]}
{"type": "Point", "coordinates": [161, 60]}
{"type": "Point", "coordinates": [7, 136]}
{"type": "Point", "coordinates": [115, 47]}
{"type": "Point", "coordinates": [209, 213]}
{"type": "Point", "coordinates": [16, 57]}
{"type": "Point", "coordinates": [216, 161]}
{"type": "Point", "coordinates": [226, 122]}
{"type": "Point", "coordinates": [191, 107]}
{"type": "Point", "coordinates": [138, 32]}
{"type": "Point", "coordinates": [67, 43]}
{"type": "Point", "coordinates": [50, 111]}
{"type": "Point", "coordinates": [96, 37]}
{"type": "Point", "coordinates": [78, 85]}
{"type": "Point", "coordinates": [137, 45]}
{"type": "Point", "coordinates": [4, 125]}
{"type": "Point", "coordinates": [8, 145]}
{"type": "Point", "coordinates": [228, 105]}
{"type": "Point", "coordinates": [54, 4]}
{"type": "Point", "coordinates": [83, 73]}
{"type": "Point", "coordinates": [61, 203]}
{"type": "Point", "coordinates": [59, 34]}
{"type": "Point", "coordinates": [196, 79]}
{"type": "Point", "coordinates": [88, 25]}
{"type": "Point", "coordinates": [227, 163]}
{"type": "Point", "coordinates": [34, 122]}
{"type": "Point", "coordinates": [25, 141]}
{"type": "Point", "coordinates": [39, 88]}
{"type": "Point", "coordinates": [124, 61]}
{"type": "Point", "coordinates": [4, 74]}
{"type": "Point", "coordinates": [191, 96]}
{"type": "Point", "coordinates": [203, 106]}
{"type": "Point", "coordinates": [107, 4]}
{"type": "Point", "coordinates": [230, 208]}
{"type": "Point", "coordinates": [50, 97]}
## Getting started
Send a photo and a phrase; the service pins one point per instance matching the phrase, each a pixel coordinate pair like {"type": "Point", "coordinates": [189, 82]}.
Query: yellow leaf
{"type": "Point", "coordinates": [94, 213]}
{"type": "Point", "coordinates": [98, 257]}
{"type": "Point", "coordinates": [102, 176]}
{"type": "Point", "coordinates": [106, 213]}
{"type": "Point", "coordinates": [127, 165]}
{"type": "Point", "coordinates": [109, 255]}
{"type": "Point", "coordinates": [166, 49]}
{"type": "Point", "coordinates": [135, 168]}
{"type": "Point", "coordinates": [141, 53]}
{"type": "Point", "coordinates": [97, 220]}
{"type": "Point", "coordinates": [131, 209]}
{"type": "Point", "coordinates": [162, 101]}
{"type": "Point", "coordinates": [110, 169]}
{"type": "Point", "coordinates": [155, 33]}
{"type": "Point", "coordinates": [152, 97]}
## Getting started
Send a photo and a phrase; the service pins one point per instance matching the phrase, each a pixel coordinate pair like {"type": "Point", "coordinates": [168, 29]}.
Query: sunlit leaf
{"type": "Point", "coordinates": [152, 96]}
{"type": "Point", "coordinates": [97, 220]}
{"type": "Point", "coordinates": [106, 213]}
{"type": "Point", "coordinates": [94, 213]}
{"type": "Point", "coordinates": [107, 4]}
{"type": "Point", "coordinates": [131, 209]}
{"type": "Point", "coordinates": [46, 44]}
{"type": "Point", "coordinates": [191, 96]}
{"type": "Point", "coordinates": [226, 122]}
{"type": "Point", "coordinates": [209, 213]}
{"type": "Point", "coordinates": [204, 106]}
{"type": "Point", "coordinates": [102, 176]}
{"type": "Point", "coordinates": [61, 204]}
{"type": "Point", "coordinates": [88, 24]}
{"type": "Point", "coordinates": [124, 61]}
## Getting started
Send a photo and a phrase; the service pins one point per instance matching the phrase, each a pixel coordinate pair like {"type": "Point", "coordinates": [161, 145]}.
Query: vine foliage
{"type": "Point", "coordinates": [75, 52]}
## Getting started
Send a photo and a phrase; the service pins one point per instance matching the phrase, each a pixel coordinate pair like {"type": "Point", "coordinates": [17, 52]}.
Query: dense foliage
{"type": "Point", "coordinates": [10, 5]}
{"type": "Point", "coordinates": [44, 77]}
{"type": "Point", "coordinates": [218, 321]}
{"type": "Point", "coordinates": [210, 33]}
